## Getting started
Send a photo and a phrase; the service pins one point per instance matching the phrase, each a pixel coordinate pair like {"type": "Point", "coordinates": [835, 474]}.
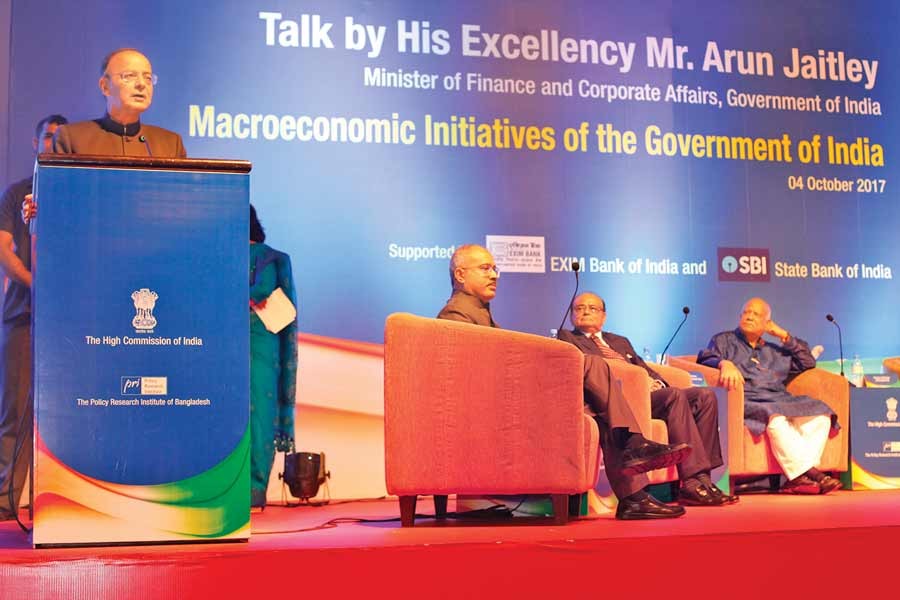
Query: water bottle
{"type": "Point", "coordinates": [857, 371]}
{"type": "Point", "coordinates": [647, 356]}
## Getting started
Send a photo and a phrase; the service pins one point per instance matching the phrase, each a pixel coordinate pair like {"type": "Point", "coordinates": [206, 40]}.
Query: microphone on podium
{"type": "Point", "coordinates": [840, 341]}
{"type": "Point", "coordinates": [575, 268]}
{"type": "Point", "coordinates": [143, 140]}
{"type": "Point", "coordinates": [686, 312]}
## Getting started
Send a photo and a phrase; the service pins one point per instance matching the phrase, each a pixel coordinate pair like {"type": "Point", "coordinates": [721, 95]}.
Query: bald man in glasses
{"type": "Point", "coordinates": [127, 82]}
{"type": "Point", "coordinates": [627, 453]}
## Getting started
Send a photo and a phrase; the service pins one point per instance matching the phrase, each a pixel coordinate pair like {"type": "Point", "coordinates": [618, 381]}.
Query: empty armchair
{"type": "Point", "coordinates": [476, 410]}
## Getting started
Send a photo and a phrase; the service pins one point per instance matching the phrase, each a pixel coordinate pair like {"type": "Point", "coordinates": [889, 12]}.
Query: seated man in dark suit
{"type": "Point", "coordinates": [627, 454]}
{"type": "Point", "coordinates": [691, 414]}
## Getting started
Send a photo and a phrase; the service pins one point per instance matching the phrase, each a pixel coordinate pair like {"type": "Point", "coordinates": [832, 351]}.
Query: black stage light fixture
{"type": "Point", "coordinates": [304, 472]}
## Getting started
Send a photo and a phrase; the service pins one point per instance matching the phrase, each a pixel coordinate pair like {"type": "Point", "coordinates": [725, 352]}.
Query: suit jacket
{"type": "Point", "coordinates": [106, 137]}
{"type": "Point", "coordinates": [619, 343]}
{"type": "Point", "coordinates": [463, 306]}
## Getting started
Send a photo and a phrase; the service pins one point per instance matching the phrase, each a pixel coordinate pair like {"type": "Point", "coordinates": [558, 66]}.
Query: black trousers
{"type": "Point", "coordinates": [691, 416]}
{"type": "Point", "coordinates": [603, 394]}
{"type": "Point", "coordinates": [15, 409]}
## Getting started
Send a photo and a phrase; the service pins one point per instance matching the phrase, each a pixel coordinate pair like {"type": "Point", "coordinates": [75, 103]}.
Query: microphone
{"type": "Point", "coordinates": [840, 341]}
{"type": "Point", "coordinates": [686, 312]}
{"type": "Point", "coordinates": [143, 140]}
{"type": "Point", "coordinates": [575, 268]}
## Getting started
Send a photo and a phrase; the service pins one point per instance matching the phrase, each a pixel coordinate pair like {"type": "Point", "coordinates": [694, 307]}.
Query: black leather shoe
{"type": "Point", "coordinates": [726, 498]}
{"type": "Point", "coordinates": [646, 456]}
{"type": "Point", "coordinates": [801, 485]}
{"type": "Point", "coordinates": [641, 505]}
{"type": "Point", "coordinates": [699, 496]}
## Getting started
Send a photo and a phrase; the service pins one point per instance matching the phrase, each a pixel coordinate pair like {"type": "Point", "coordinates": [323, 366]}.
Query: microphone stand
{"type": "Point", "coordinates": [575, 268]}
{"type": "Point", "coordinates": [831, 319]}
{"type": "Point", "coordinates": [686, 312]}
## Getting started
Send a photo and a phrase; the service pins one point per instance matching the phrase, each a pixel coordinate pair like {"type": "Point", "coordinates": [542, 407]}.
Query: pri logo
{"type": "Point", "coordinates": [144, 303]}
{"type": "Point", "coordinates": [131, 386]}
{"type": "Point", "coordinates": [744, 264]}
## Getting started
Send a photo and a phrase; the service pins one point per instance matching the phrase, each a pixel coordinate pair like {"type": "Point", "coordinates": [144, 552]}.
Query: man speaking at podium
{"type": "Point", "coordinates": [127, 80]}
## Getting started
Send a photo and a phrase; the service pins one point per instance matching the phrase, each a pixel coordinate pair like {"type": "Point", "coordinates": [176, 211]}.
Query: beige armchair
{"type": "Point", "coordinates": [749, 455]}
{"type": "Point", "coordinates": [636, 387]}
{"type": "Point", "coordinates": [482, 411]}
{"type": "Point", "coordinates": [892, 364]}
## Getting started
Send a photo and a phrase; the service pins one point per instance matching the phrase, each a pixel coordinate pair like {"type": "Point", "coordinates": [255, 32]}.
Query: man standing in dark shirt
{"type": "Point", "coordinates": [627, 454]}
{"type": "Point", "coordinates": [15, 332]}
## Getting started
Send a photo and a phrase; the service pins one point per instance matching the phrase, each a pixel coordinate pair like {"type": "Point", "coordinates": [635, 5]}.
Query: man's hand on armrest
{"type": "Point", "coordinates": [729, 375]}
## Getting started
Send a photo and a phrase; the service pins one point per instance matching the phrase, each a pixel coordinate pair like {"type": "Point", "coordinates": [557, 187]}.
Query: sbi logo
{"type": "Point", "coordinates": [729, 264]}
{"type": "Point", "coordinates": [744, 264]}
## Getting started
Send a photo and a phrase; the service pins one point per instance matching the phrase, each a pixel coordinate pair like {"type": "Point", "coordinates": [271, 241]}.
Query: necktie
{"type": "Point", "coordinates": [605, 350]}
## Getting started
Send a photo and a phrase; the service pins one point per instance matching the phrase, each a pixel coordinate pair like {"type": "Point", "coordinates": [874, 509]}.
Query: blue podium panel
{"type": "Point", "coordinates": [874, 438]}
{"type": "Point", "coordinates": [141, 355]}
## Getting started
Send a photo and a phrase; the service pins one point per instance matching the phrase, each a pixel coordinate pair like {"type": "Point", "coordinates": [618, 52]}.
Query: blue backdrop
{"type": "Point", "coordinates": [337, 207]}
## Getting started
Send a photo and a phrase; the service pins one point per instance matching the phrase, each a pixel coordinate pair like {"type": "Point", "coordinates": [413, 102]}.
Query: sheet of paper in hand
{"type": "Point", "coordinates": [278, 311]}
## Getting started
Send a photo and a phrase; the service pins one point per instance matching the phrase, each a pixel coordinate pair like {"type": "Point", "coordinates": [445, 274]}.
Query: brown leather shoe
{"type": "Point", "coordinates": [829, 484]}
{"type": "Point", "coordinates": [800, 485]}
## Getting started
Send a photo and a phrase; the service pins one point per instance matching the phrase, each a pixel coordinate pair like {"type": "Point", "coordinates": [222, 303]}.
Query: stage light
{"type": "Point", "coordinates": [304, 472]}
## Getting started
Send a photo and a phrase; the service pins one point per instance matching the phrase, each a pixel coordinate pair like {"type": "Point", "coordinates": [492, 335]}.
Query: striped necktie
{"type": "Point", "coordinates": [605, 350]}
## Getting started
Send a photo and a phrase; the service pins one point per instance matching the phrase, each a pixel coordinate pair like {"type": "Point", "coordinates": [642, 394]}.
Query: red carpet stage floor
{"type": "Point", "coordinates": [768, 546]}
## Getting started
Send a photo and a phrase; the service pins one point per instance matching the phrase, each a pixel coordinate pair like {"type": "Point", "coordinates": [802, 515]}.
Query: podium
{"type": "Point", "coordinates": [874, 437]}
{"type": "Point", "coordinates": [141, 350]}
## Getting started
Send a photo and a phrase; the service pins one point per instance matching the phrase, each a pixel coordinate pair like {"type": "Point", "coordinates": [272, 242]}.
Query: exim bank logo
{"type": "Point", "coordinates": [744, 264]}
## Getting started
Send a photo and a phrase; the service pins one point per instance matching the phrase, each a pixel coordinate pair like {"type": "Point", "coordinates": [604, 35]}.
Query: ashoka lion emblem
{"type": "Point", "coordinates": [144, 302]}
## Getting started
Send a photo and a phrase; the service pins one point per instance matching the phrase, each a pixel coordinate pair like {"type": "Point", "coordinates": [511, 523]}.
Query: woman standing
{"type": "Point", "coordinates": [273, 363]}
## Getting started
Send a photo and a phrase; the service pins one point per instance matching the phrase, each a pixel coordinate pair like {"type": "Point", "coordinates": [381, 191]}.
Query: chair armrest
{"type": "Point", "coordinates": [689, 363]}
{"type": "Point", "coordinates": [892, 363]}
{"type": "Point", "coordinates": [674, 376]}
{"type": "Point", "coordinates": [833, 390]}
{"type": "Point", "coordinates": [830, 388]}
{"type": "Point", "coordinates": [735, 404]}
{"type": "Point", "coordinates": [636, 389]}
